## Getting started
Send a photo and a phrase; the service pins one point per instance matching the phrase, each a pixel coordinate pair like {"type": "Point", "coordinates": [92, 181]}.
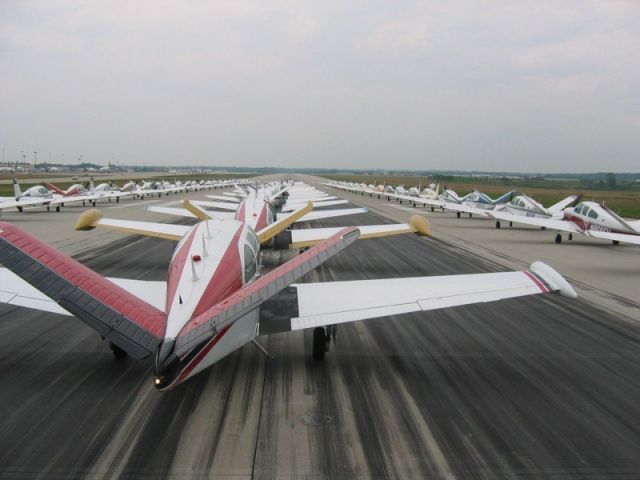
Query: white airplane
{"type": "Point", "coordinates": [36, 195]}
{"type": "Point", "coordinates": [586, 218]}
{"type": "Point", "coordinates": [209, 305]}
{"type": "Point", "coordinates": [524, 205]}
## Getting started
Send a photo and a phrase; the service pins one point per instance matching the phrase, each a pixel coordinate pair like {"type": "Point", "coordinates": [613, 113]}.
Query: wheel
{"type": "Point", "coordinates": [570, 236]}
{"type": "Point", "coordinates": [469, 215]}
{"type": "Point", "coordinates": [20, 209]}
{"type": "Point", "coordinates": [57, 208]}
{"type": "Point", "coordinates": [319, 343]}
{"type": "Point", "coordinates": [93, 204]}
{"type": "Point", "coordinates": [558, 238]}
{"type": "Point", "coordinates": [615, 242]}
{"type": "Point", "coordinates": [497, 223]}
{"type": "Point", "coordinates": [117, 199]}
{"type": "Point", "coordinates": [511, 224]}
{"type": "Point", "coordinates": [458, 214]}
{"type": "Point", "coordinates": [117, 351]}
{"type": "Point", "coordinates": [432, 209]}
{"type": "Point", "coordinates": [48, 208]}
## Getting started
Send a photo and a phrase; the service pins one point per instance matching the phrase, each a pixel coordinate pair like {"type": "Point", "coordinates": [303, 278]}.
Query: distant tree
{"type": "Point", "coordinates": [611, 180]}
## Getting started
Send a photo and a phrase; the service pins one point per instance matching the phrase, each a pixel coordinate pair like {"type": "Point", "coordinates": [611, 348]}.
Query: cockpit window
{"type": "Point", "coordinates": [593, 214]}
{"type": "Point", "coordinates": [250, 263]}
{"type": "Point", "coordinates": [252, 238]}
{"type": "Point", "coordinates": [272, 216]}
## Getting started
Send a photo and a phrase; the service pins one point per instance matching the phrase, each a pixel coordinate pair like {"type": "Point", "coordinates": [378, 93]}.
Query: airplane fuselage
{"type": "Point", "coordinates": [212, 261]}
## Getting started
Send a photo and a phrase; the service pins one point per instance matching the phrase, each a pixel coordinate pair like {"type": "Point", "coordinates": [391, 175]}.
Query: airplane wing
{"type": "Point", "coordinates": [481, 212]}
{"type": "Point", "coordinates": [223, 198]}
{"type": "Point", "coordinates": [288, 207]}
{"type": "Point", "coordinates": [117, 314]}
{"type": "Point", "coordinates": [181, 212]}
{"type": "Point", "coordinates": [616, 237]}
{"type": "Point", "coordinates": [15, 291]}
{"type": "Point", "coordinates": [318, 214]}
{"type": "Point", "coordinates": [23, 202]}
{"type": "Point", "coordinates": [330, 303]}
{"type": "Point", "coordinates": [93, 218]}
{"type": "Point", "coordinates": [550, 223]}
{"type": "Point", "coordinates": [75, 199]}
{"type": "Point", "coordinates": [270, 231]}
{"type": "Point", "coordinates": [310, 236]}
{"type": "Point", "coordinates": [221, 205]}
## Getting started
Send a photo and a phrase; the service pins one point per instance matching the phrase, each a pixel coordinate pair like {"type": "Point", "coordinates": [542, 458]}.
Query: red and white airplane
{"type": "Point", "coordinates": [210, 303]}
{"type": "Point", "coordinates": [587, 218]}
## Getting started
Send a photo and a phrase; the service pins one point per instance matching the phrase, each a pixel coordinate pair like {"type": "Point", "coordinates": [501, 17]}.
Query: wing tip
{"type": "Point", "coordinates": [87, 220]}
{"type": "Point", "coordinates": [556, 281]}
{"type": "Point", "coordinates": [420, 225]}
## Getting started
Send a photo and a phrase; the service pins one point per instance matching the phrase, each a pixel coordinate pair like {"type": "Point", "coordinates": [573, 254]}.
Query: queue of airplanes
{"type": "Point", "coordinates": [52, 196]}
{"type": "Point", "coordinates": [211, 303]}
{"type": "Point", "coordinates": [570, 215]}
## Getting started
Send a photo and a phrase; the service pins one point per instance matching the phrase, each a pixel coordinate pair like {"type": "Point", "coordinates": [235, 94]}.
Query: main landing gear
{"type": "Point", "coordinates": [558, 238]}
{"type": "Point", "coordinates": [322, 340]}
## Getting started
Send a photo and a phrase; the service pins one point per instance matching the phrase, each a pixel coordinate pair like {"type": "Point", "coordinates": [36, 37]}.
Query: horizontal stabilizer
{"type": "Point", "coordinates": [310, 236]}
{"type": "Point", "coordinates": [93, 218]}
{"type": "Point", "coordinates": [126, 320]}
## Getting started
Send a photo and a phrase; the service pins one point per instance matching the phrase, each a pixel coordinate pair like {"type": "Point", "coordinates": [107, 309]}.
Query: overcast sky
{"type": "Point", "coordinates": [491, 85]}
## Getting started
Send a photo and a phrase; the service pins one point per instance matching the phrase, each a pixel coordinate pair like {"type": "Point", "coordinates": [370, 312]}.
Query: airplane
{"type": "Point", "coordinates": [36, 195]}
{"type": "Point", "coordinates": [587, 218]}
{"type": "Point", "coordinates": [524, 205]}
{"type": "Point", "coordinates": [210, 304]}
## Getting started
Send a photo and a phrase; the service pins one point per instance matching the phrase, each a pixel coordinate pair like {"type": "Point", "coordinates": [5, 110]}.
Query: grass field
{"type": "Point", "coordinates": [622, 201]}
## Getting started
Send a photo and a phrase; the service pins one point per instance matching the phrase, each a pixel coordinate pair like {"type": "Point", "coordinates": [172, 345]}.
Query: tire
{"type": "Point", "coordinates": [497, 223]}
{"type": "Point", "coordinates": [558, 238]}
{"type": "Point", "coordinates": [458, 214]}
{"type": "Point", "coordinates": [615, 242]}
{"type": "Point", "coordinates": [319, 343]}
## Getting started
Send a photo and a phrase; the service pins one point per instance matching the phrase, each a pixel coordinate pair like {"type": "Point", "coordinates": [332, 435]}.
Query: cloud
{"type": "Point", "coordinates": [363, 84]}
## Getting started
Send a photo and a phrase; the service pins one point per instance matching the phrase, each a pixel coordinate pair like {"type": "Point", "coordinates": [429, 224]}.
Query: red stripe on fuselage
{"type": "Point", "coordinates": [226, 279]}
{"type": "Point", "coordinates": [201, 355]}
{"type": "Point", "coordinates": [242, 211]}
{"type": "Point", "coordinates": [262, 220]}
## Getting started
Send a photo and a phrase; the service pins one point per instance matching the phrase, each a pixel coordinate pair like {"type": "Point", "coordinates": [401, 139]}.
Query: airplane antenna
{"type": "Point", "coordinates": [204, 247]}
{"type": "Point", "coordinates": [194, 275]}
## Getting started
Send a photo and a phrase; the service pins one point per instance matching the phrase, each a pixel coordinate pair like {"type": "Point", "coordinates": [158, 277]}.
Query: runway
{"type": "Point", "coordinates": [531, 387]}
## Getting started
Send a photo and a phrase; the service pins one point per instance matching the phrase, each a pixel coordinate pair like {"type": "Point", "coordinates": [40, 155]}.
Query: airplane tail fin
{"type": "Point", "coordinates": [564, 203]}
{"type": "Point", "coordinates": [118, 315]}
{"type": "Point", "coordinates": [505, 198]}
{"type": "Point", "coordinates": [16, 188]}
{"type": "Point", "coordinates": [51, 186]}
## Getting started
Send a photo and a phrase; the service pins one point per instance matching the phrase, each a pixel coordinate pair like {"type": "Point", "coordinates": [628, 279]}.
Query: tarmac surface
{"type": "Point", "coordinates": [532, 387]}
